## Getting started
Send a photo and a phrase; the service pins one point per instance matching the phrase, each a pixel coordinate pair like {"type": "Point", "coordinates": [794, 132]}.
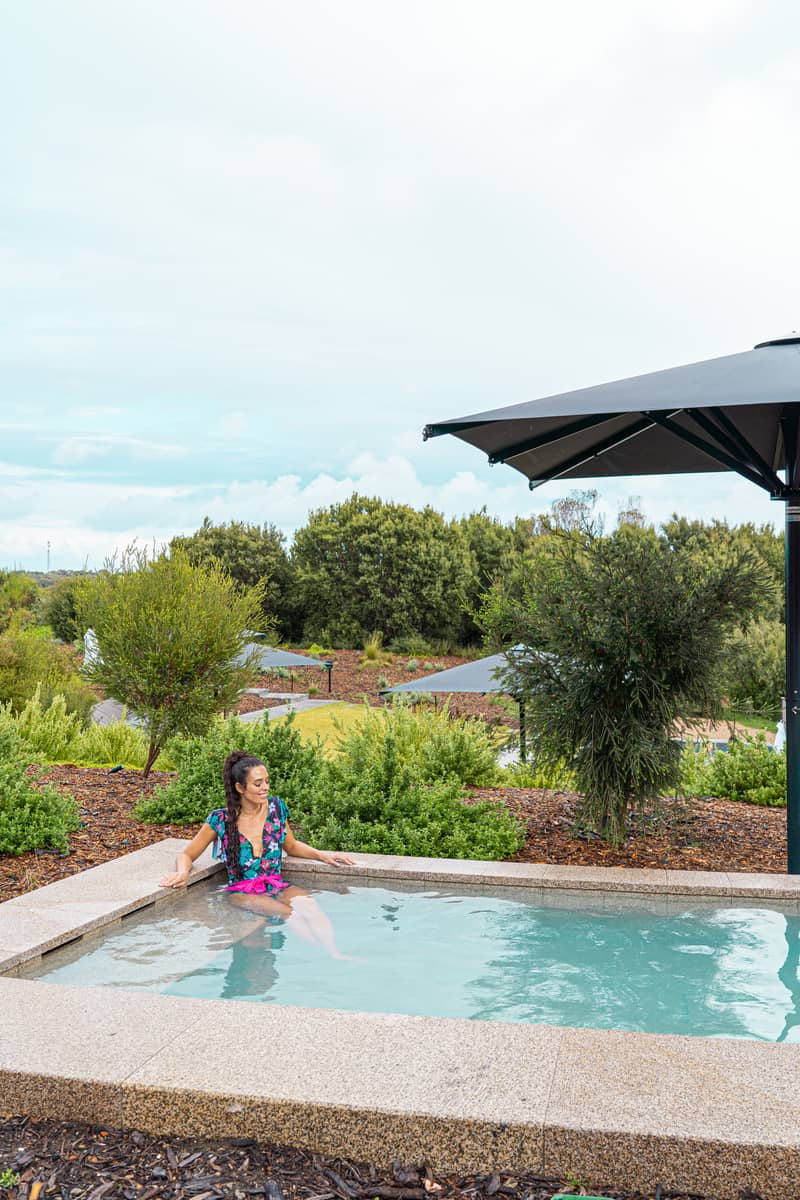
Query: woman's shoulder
{"type": "Point", "coordinates": [216, 818]}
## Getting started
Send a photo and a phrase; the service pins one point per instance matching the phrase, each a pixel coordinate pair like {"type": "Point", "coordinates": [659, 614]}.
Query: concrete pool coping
{"type": "Point", "coordinates": [624, 1109]}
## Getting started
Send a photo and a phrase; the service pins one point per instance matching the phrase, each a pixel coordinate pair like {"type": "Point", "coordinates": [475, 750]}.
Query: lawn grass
{"type": "Point", "coordinates": [750, 721]}
{"type": "Point", "coordinates": [319, 722]}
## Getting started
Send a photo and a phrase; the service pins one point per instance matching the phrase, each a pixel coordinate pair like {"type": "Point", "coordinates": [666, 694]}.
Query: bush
{"type": "Point", "coordinates": [29, 659]}
{"type": "Point", "coordinates": [49, 733]}
{"type": "Point", "coordinates": [116, 744]}
{"type": "Point", "coordinates": [750, 771]}
{"type": "Point", "coordinates": [436, 745]}
{"type": "Point", "coordinates": [412, 665]}
{"type": "Point", "coordinates": [556, 776]}
{"type": "Point", "coordinates": [370, 798]}
{"type": "Point", "coordinates": [30, 817]}
{"type": "Point", "coordinates": [56, 607]}
{"type": "Point", "coordinates": [384, 806]}
{"type": "Point", "coordinates": [294, 768]}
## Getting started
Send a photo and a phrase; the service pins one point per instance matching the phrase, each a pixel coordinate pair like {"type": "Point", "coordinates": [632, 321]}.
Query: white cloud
{"type": "Point", "coordinates": [87, 520]}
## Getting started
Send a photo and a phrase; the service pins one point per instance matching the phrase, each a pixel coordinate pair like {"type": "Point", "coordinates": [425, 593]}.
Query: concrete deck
{"type": "Point", "coordinates": [703, 1115]}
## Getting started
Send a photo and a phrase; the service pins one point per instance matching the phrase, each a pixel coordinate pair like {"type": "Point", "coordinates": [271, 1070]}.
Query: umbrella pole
{"type": "Point", "coordinates": [793, 685]}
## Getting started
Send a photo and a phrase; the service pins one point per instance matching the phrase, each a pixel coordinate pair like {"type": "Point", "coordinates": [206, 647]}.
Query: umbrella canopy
{"type": "Point", "coordinates": [268, 658]}
{"type": "Point", "coordinates": [724, 414]}
{"type": "Point", "coordinates": [738, 413]}
{"type": "Point", "coordinates": [481, 676]}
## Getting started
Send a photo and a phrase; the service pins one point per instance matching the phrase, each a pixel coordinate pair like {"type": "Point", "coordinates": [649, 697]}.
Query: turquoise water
{"type": "Point", "coordinates": [660, 966]}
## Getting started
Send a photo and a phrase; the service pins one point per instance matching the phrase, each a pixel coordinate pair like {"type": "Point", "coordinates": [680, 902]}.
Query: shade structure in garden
{"type": "Point", "coordinates": [269, 658]}
{"type": "Point", "coordinates": [478, 677]}
{"type": "Point", "coordinates": [737, 413]}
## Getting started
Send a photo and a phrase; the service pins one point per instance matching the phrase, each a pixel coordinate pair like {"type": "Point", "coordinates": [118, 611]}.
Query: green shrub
{"type": "Point", "coordinates": [30, 817]}
{"type": "Point", "coordinates": [318, 651]}
{"type": "Point", "coordinates": [557, 776]}
{"type": "Point", "coordinates": [412, 665]}
{"type": "Point", "coordinates": [56, 607]}
{"type": "Point", "coordinates": [436, 745]}
{"type": "Point", "coordinates": [50, 733]}
{"type": "Point", "coordinates": [427, 666]}
{"type": "Point", "coordinates": [413, 644]}
{"type": "Point", "coordinates": [29, 659]}
{"type": "Point", "coordinates": [116, 744]}
{"type": "Point", "coordinates": [750, 771]}
{"type": "Point", "coordinates": [696, 763]}
{"type": "Point", "coordinates": [384, 806]}
{"type": "Point", "coordinates": [294, 768]}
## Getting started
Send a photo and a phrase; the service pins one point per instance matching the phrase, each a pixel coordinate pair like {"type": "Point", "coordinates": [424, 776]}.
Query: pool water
{"type": "Point", "coordinates": [665, 965]}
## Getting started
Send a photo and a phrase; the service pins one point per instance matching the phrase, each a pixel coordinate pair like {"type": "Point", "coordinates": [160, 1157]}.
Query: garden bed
{"type": "Point", "coordinates": [717, 835]}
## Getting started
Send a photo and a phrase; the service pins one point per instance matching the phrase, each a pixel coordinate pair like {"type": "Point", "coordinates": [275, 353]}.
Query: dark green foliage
{"type": "Point", "coordinates": [492, 547]}
{"type": "Point", "coordinates": [378, 795]}
{"type": "Point", "coordinates": [623, 634]}
{"type": "Point", "coordinates": [365, 564]}
{"type": "Point", "coordinates": [29, 659]}
{"type": "Point", "coordinates": [56, 607]}
{"type": "Point", "coordinates": [761, 541]}
{"type": "Point", "coordinates": [294, 769]}
{"type": "Point", "coordinates": [384, 807]}
{"type": "Point", "coordinates": [251, 555]}
{"type": "Point", "coordinates": [750, 771]}
{"type": "Point", "coordinates": [169, 635]}
{"type": "Point", "coordinates": [30, 817]}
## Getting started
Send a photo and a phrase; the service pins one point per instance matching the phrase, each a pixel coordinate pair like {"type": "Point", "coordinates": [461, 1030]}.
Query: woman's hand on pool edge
{"type": "Point", "coordinates": [334, 858]}
{"type": "Point", "coordinates": [176, 879]}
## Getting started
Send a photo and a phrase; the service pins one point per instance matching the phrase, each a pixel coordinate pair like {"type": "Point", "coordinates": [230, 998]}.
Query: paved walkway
{"type": "Point", "coordinates": [282, 710]}
{"type": "Point", "coordinates": [108, 712]}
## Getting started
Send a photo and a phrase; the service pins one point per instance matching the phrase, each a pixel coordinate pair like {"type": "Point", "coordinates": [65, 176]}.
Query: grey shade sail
{"type": "Point", "coordinates": [267, 658]}
{"type": "Point", "coordinates": [717, 415]}
{"type": "Point", "coordinates": [480, 676]}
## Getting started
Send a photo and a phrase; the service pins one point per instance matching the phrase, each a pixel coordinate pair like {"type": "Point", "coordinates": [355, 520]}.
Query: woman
{"type": "Point", "coordinates": [250, 835]}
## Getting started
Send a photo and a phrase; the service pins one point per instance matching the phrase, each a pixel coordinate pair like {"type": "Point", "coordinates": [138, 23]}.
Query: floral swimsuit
{"type": "Point", "coordinates": [262, 874]}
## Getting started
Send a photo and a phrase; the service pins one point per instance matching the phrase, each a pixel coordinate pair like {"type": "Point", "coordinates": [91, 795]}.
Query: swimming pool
{"type": "Point", "coordinates": [697, 966]}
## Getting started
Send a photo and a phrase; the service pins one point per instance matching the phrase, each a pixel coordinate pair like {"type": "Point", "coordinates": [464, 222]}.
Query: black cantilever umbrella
{"type": "Point", "coordinates": [738, 413]}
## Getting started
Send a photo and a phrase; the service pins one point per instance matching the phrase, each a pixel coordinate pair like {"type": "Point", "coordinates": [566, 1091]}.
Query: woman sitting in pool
{"type": "Point", "coordinates": [250, 834]}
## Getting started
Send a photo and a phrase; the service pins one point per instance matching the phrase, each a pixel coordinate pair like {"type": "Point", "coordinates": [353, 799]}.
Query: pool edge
{"type": "Point", "coordinates": [632, 1109]}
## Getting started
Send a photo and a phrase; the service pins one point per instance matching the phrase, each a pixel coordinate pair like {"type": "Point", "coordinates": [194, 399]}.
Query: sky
{"type": "Point", "coordinates": [248, 250]}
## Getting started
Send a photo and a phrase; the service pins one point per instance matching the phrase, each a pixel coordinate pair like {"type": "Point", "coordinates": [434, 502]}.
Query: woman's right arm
{"type": "Point", "coordinates": [186, 858]}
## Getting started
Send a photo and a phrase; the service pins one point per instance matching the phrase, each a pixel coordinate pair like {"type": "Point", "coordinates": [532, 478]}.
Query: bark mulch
{"type": "Point", "coordinates": [693, 835]}
{"type": "Point", "coordinates": [355, 683]}
{"type": "Point", "coordinates": [703, 835]}
{"type": "Point", "coordinates": [89, 1162]}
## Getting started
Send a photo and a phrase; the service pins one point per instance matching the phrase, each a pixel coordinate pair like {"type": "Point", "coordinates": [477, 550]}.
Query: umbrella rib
{"type": "Point", "coordinates": [554, 435]}
{"type": "Point", "coordinates": [450, 427]}
{"type": "Point", "coordinates": [732, 447]}
{"type": "Point", "coordinates": [610, 443]}
{"type": "Point", "coordinates": [747, 448]}
{"type": "Point", "coordinates": [714, 452]}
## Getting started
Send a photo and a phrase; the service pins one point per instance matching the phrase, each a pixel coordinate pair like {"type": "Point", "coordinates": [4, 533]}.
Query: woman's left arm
{"type": "Point", "coordinates": [300, 850]}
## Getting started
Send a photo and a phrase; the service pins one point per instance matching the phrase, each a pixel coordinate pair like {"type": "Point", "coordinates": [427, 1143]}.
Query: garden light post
{"type": "Point", "coordinates": [737, 413]}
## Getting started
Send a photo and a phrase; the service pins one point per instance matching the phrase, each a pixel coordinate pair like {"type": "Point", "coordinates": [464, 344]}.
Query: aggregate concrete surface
{"type": "Point", "coordinates": [701, 1114]}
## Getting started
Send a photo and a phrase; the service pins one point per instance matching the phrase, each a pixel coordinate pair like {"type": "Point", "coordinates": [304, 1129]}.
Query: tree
{"type": "Point", "coordinates": [29, 658]}
{"type": "Point", "coordinates": [492, 546]}
{"type": "Point", "coordinates": [365, 565]}
{"type": "Point", "coordinates": [170, 637]}
{"type": "Point", "coordinates": [620, 635]}
{"type": "Point", "coordinates": [251, 554]}
{"type": "Point", "coordinates": [56, 607]}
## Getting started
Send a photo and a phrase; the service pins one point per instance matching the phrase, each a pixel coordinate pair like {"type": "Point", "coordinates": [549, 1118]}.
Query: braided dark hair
{"type": "Point", "coordinates": [238, 766]}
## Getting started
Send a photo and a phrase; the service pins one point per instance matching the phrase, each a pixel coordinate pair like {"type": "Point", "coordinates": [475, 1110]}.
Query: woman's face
{"type": "Point", "coordinates": [256, 787]}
